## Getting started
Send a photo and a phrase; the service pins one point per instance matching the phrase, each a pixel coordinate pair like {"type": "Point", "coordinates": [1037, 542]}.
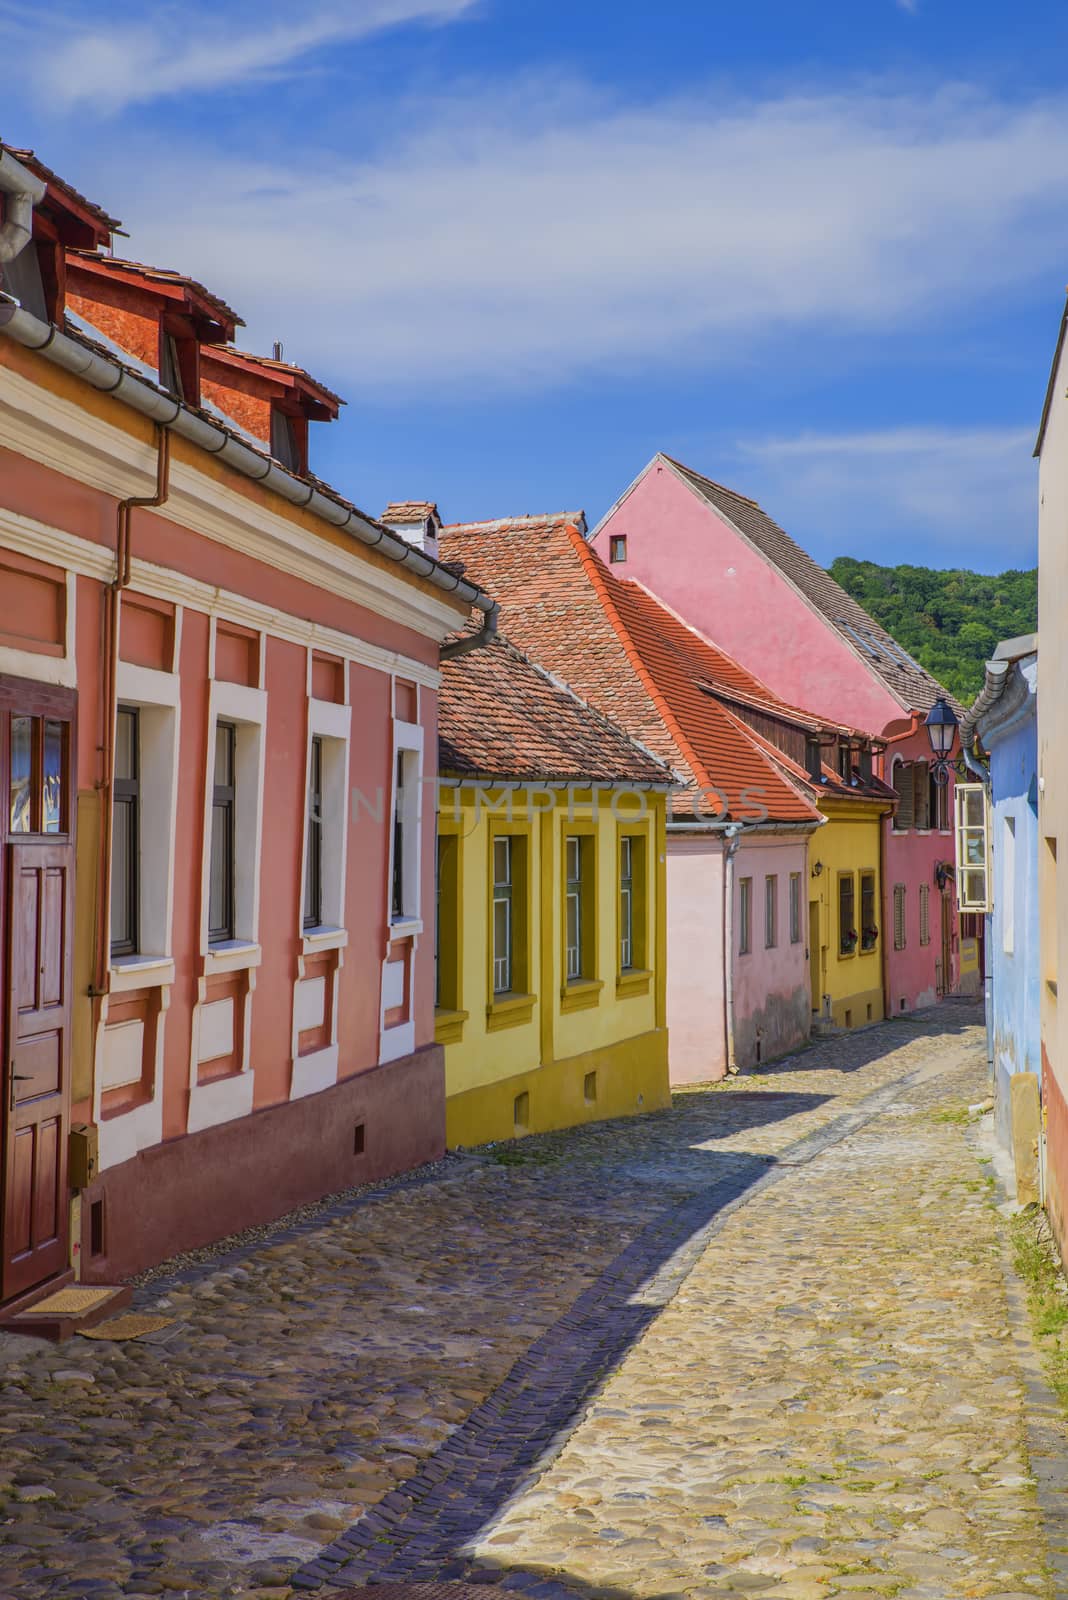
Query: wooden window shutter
{"type": "Point", "coordinates": [899, 916]}
{"type": "Point", "coordinates": [921, 793]}
{"type": "Point", "coordinates": [903, 784]}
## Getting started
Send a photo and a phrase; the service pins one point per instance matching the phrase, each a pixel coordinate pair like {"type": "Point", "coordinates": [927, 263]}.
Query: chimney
{"type": "Point", "coordinates": [417, 521]}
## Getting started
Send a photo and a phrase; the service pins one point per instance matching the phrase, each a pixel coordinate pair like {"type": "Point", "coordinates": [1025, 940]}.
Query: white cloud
{"type": "Point", "coordinates": [152, 53]}
{"type": "Point", "coordinates": [933, 495]}
{"type": "Point", "coordinates": [537, 232]}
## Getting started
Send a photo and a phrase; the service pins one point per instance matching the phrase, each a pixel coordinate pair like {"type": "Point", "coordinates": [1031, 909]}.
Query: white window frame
{"type": "Point", "coordinates": [796, 914]}
{"type": "Point", "coordinates": [156, 697]}
{"type": "Point", "coordinates": [246, 709]}
{"type": "Point", "coordinates": [1008, 885]}
{"type": "Point", "coordinates": [973, 877]}
{"type": "Point", "coordinates": [771, 910]}
{"type": "Point", "coordinates": [745, 916]}
{"type": "Point", "coordinates": [332, 724]}
{"type": "Point", "coordinates": [408, 745]}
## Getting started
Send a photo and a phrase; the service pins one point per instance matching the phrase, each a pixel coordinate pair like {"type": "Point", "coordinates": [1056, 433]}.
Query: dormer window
{"type": "Point", "coordinates": [812, 759]}
{"type": "Point", "coordinates": [284, 444]}
{"type": "Point", "coordinates": [845, 762]}
{"type": "Point", "coordinates": [170, 371]}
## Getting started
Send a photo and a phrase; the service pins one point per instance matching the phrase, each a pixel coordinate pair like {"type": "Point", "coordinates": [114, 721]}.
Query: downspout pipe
{"type": "Point", "coordinates": [473, 641]}
{"type": "Point", "coordinates": [112, 622]}
{"type": "Point", "coordinates": [732, 837]}
{"type": "Point", "coordinates": [23, 192]}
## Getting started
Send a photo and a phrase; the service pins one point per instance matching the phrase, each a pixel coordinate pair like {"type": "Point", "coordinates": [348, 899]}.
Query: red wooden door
{"type": "Point", "coordinates": [37, 1077]}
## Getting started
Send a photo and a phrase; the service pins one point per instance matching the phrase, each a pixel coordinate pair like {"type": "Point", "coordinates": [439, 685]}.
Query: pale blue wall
{"type": "Point", "coordinates": [1014, 1021]}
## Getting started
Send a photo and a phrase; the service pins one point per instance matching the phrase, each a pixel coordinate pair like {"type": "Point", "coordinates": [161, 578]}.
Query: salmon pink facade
{"type": "Point", "coordinates": [718, 559]}
{"type": "Point", "coordinates": [217, 722]}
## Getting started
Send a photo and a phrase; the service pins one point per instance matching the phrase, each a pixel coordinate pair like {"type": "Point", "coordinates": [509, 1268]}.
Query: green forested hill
{"type": "Point", "coordinates": [950, 621]}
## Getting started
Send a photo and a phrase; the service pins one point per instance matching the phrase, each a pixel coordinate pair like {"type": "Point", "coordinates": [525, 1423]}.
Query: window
{"type": "Point", "coordinates": [973, 847]}
{"type": "Point", "coordinates": [1008, 887]}
{"type": "Point", "coordinates": [903, 787]}
{"type": "Point", "coordinates": [865, 763]}
{"type": "Point", "coordinates": [284, 445]}
{"type": "Point", "coordinates": [795, 908]}
{"type": "Point", "coordinates": [938, 804]}
{"type": "Point", "coordinates": [813, 760]}
{"type": "Point", "coordinates": [313, 847]}
{"type": "Point", "coordinates": [578, 921]}
{"type": "Point", "coordinates": [503, 923]}
{"type": "Point", "coordinates": [845, 763]}
{"type": "Point", "coordinates": [617, 547]}
{"type": "Point", "coordinates": [869, 924]}
{"type": "Point", "coordinates": [221, 869]}
{"type": "Point", "coordinates": [745, 915]}
{"type": "Point", "coordinates": [170, 370]}
{"type": "Point", "coordinates": [126, 834]}
{"type": "Point", "coordinates": [447, 909]}
{"type": "Point", "coordinates": [404, 868]}
{"type": "Point", "coordinates": [626, 904]}
{"type": "Point", "coordinates": [899, 916]}
{"type": "Point", "coordinates": [37, 777]}
{"type": "Point", "coordinates": [847, 932]}
{"type": "Point", "coordinates": [925, 913]}
{"type": "Point", "coordinates": [921, 796]}
{"type": "Point", "coordinates": [771, 912]}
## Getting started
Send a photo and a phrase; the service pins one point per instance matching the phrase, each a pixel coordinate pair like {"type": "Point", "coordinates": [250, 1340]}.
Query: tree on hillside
{"type": "Point", "coordinates": [951, 621]}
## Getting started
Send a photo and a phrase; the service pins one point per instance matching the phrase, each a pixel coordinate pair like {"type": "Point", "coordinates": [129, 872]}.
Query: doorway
{"type": "Point", "coordinates": [815, 956]}
{"type": "Point", "coordinates": [37, 900]}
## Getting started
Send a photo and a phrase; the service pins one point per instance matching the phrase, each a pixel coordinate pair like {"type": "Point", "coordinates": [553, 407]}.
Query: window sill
{"type": "Point", "coordinates": [578, 994]}
{"type": "Point", "coordinates": [405, 927]}
{"type": "Point", "coordinates": [233, 955]}
{"type": "Point", "coordinates": [635, 980]}
{"type": "Point", "coordinates": [449, 1025]}
{"type": "Point", "coordinates": [323, 938]}
{"type": "Point", "coordinates": [509, 1011]}
{"type": "Point", "coordinates": [140, 972]}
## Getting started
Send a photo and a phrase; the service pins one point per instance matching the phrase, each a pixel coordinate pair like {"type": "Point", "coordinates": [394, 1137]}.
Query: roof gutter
{"type": "Point", "coordinates": [23, 191]}
{"type": "Point", "coordinates": [111, 377]}
{"type": "Point", "coordinates": [473, 641]}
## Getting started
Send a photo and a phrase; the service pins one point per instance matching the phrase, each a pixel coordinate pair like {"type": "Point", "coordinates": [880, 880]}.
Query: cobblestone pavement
{"type": "Point", "coordinates": [755, 1344]}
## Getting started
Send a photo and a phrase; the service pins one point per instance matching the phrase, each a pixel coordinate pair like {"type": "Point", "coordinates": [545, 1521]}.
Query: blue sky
{"type": "Point", "coordinates": [818, 252]}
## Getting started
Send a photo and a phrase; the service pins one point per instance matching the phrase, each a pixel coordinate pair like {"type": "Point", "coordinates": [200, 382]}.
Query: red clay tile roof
{"type": "Point", "coordinates": [161, 275]}
{"type": "Point", "coordinates": [620, 650]}
{"type": "Point", "coordinates": [33, 162]}
{"type": "Point", "coordinates": [911, 684]}
{"type": "Point", "coordinates": [285, 371]}
{"type": "Point", "coordinates": [502, 717]}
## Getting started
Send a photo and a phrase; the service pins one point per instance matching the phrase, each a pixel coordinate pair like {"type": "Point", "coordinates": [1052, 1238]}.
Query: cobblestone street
{"type": "Point", "coordinates": [759, 1344]}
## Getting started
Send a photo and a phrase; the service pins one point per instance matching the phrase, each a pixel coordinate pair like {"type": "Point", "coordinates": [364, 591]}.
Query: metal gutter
{"type": "Point", "coordinates": [112, 377]}
{"type": "Point", "coordinates": [24, 191]}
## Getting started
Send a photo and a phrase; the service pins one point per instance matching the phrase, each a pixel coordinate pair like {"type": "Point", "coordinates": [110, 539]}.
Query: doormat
{"type": "Point", "coordinates": [68, 1303]}
{"type": "Point", "coordinates": [131, 1325]}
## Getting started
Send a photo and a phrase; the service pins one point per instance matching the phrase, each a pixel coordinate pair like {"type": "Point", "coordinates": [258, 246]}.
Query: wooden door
{"type": "Point", "coordinates": [815, 955]}
{"type": "Point", "coordinates": [945, 976]}
{"type": "Point", "coordinates": [40, 914]}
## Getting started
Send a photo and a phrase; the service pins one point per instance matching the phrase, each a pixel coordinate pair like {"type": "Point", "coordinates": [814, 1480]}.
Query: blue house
{"type": "Point", "coordinates": [1005, 721]}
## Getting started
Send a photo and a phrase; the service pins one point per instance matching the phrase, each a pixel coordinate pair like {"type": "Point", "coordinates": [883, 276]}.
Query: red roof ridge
{"type": "Point", "coordinates": [600, 579]}
{"type": "Point", "coordinates": [94, 258]}
{"type": "Point", "coordinates": [525, 524]}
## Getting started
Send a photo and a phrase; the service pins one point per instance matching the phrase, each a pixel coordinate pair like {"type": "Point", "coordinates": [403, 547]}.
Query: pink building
{"type": "Point", "coordinates": [722, 563]}
{"type": "Point", "coordinates": [218, 713]}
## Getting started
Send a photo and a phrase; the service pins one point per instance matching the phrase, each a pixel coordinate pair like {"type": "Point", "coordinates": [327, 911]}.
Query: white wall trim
{"type": "Point", "coordinates": [68, 437]}
{"type": "Point", "coordinates": [222, 1101]}
{"type": "Point", "coordinates": [313, 1073]}
{"type": "Point", "coordinates": [157, 695]}
{"type": "Point", "coordinates": [34, 664]}
{"type": "Point", "coordinates": [26, 536]}
{"type": "Point", "coordinates": [396, 1042]}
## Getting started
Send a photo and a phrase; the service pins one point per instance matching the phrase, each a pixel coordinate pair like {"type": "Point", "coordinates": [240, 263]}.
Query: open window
{"type": "Point", "coordinates": [973, 847]}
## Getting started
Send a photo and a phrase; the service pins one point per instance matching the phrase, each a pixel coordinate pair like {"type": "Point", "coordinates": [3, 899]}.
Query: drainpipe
{"type": "Point", "coordinates": [23, 192]}
{"type": "Point", "coordinates": [885, 824]}
{"type": "Point", "coordinates": [473, 641]}
{"type": "Point", "coordinates": [112, 609]}
{"type": "Point", "coordinates": [991, 692]}
{"type": "Point", "coordinates": [731, 835]}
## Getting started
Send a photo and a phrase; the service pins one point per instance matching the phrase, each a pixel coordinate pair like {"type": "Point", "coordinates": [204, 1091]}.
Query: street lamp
{"type": "Point", "coordinates": [941, 727]}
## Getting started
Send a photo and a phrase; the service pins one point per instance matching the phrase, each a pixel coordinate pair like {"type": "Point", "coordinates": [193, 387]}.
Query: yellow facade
{"type": "Point", "coordinates": [845, 870]}
{"type": "Point", "coordinates": [548, 1051]}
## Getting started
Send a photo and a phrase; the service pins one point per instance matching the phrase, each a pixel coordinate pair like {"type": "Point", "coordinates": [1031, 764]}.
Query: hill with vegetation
{"type": "Point", "coordinates": [950, 621]}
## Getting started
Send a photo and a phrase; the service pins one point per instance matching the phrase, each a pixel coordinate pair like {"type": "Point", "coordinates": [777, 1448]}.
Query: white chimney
{"type": "Point", "coordinates": [417, 521]}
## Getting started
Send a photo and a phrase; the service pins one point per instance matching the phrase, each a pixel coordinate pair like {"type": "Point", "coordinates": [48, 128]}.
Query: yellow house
{"type": "Point", "coordinates": [846, 939]}
{"type": "Point", "coordinates": [551, 989]}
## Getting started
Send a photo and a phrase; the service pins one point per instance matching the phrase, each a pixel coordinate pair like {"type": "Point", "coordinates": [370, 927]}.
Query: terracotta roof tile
{"type": "Point", "coordinates": [624, 653]}
{"type": "Point", "coordinates": [163, 275]}
{"type": "Point", "coordinates": [32, 160]}
{"type": "Point", "coordinates": [500, 716]}
{"type": "Point", "coordinates": [910, 683]}
{"type": "Point", "coordinates": [410, 511]}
